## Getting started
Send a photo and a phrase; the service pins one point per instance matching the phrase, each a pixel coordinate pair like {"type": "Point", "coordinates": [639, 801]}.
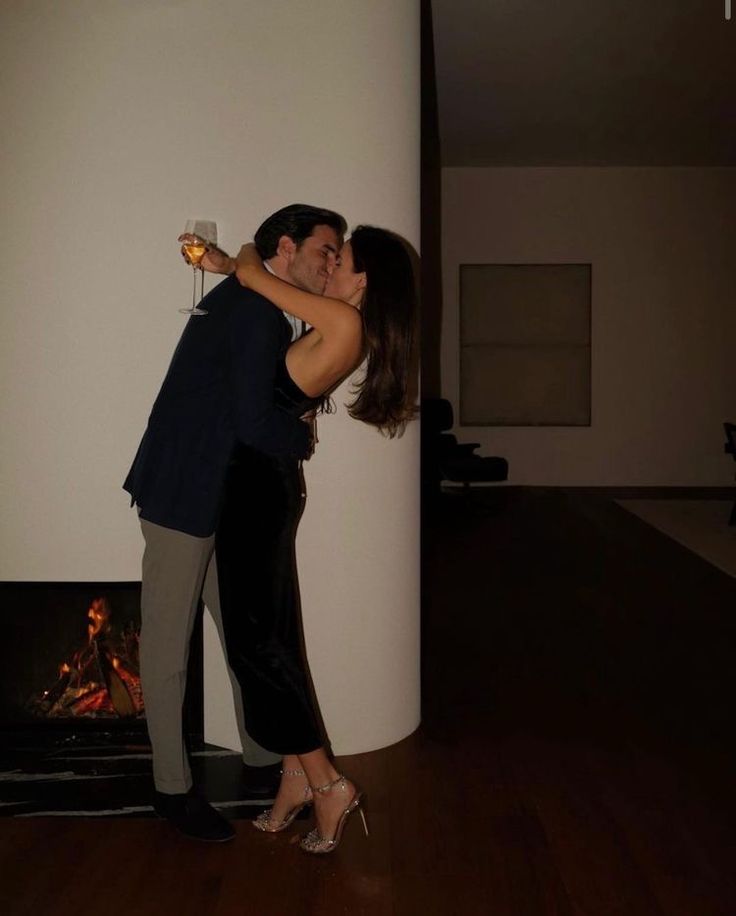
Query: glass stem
{"type": "Point", "coordinates": [201, 286]}
{"type": "Point", "coordinates": [194, 289]}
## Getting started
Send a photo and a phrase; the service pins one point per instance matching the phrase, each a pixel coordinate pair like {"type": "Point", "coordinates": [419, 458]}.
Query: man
{"type": "Point", "coordinates": [219, 390]}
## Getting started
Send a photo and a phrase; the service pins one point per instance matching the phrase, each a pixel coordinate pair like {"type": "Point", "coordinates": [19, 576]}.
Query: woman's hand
{"type": "Point", "coordinates": [310, 418]}
{"type": "Point", "coordinates": [214, 260]}
{"type": "Point", "coordinates": [247, 259]}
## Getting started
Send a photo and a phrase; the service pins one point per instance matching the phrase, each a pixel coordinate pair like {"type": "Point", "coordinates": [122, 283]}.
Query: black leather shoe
{"type": "Point", "coordinates": [193, 816]}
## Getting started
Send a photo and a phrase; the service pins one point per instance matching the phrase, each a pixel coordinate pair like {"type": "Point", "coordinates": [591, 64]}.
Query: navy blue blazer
{"type": "Point", "coordinates": [219, 390]}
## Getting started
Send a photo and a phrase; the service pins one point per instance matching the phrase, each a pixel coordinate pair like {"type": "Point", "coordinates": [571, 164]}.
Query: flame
{"type": "Point", "coordinates": [99, 614]}
{"type": "Point", "coordinates": [65, 669]}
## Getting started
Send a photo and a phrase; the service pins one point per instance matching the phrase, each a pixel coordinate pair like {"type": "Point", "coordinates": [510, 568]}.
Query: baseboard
{"type": "Point", "coordinates": [650, 492]}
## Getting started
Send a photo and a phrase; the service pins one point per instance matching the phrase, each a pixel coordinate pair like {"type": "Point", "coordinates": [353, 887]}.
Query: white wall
{"type": "Point", "coordinates": [662, 245]}
{"type": "Point", "coordinates": [121, 119]}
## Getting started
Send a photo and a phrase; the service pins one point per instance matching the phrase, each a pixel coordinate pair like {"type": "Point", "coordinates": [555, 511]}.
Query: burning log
{"type": "Point", "coordinates": [89, 701]}
{"type": "Point", "coordinates": [49, 698]}
{"type": "Point", "coordinates": [121, 700]}
{"type": "Point", "coordinates": [131, 650]}
{"type": "Point", "coordinates": [131, 646]}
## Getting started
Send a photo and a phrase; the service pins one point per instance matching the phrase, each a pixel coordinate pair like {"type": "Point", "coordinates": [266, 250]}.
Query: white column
{"type": "Point", "coordinates": [121, 120]}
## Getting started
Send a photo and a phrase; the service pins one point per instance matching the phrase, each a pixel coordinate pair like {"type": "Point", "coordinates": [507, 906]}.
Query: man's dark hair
{"type": "Point", "coordinates": [297, 221]}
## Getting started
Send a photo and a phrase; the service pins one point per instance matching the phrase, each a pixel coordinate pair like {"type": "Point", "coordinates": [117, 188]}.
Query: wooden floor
{"type": "Point", "coordinates": [576, 756]}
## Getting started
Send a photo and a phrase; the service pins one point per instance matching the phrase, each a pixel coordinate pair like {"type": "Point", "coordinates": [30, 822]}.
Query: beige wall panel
{"type": "Point", "coordinates": [525, 303]}
{"type": "Point", "coordinates": [520, 386]}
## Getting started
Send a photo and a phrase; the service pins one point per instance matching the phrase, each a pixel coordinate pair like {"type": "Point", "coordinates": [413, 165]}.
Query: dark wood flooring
{"type": "Point", "coordinates": [576, 756]}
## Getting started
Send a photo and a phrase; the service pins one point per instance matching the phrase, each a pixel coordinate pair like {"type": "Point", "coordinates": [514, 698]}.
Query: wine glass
{"type": "Point", "coordinates": [203, 233]}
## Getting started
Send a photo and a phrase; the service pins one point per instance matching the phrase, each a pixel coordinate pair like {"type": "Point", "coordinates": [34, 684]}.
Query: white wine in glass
{"type": "Point", "coordinates": [203, 236]}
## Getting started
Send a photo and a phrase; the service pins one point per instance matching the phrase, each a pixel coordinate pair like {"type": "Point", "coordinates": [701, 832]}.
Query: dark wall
{"type": "Point", "coordinates": [431, 246]}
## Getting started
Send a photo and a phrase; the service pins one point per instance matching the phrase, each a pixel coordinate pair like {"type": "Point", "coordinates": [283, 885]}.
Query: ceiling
{"type": "Point", "coordinates": [585, 82]}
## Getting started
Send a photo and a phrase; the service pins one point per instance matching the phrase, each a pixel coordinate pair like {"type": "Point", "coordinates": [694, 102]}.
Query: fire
{"type": "Point", "coordinates": [102, 677]}
{"type": "Point", "coordinates": [99, 614]}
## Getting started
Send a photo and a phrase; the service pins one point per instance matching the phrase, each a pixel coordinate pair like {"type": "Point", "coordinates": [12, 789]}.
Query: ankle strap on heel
{"type": "Point", "coordinates": [329, 785]}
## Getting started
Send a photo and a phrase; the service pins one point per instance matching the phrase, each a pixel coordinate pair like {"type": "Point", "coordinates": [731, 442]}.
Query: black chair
{"type": "Point", "coordinates": [444, 458]}
{"type": "Point", "coordinates": [730, 447]}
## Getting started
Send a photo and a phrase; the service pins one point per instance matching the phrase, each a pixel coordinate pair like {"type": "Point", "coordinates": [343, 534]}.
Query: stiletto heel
{"type": "Point", "coordinates": [313, 842]}
{"type": "Point", "coordinates": [265, 821]}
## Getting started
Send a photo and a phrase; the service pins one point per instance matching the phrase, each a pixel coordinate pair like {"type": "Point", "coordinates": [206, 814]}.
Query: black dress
{"type": "Point", "coordinates": [256, 567]}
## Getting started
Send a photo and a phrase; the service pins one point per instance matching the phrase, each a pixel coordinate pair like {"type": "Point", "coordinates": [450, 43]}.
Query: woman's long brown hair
{"type": "Point", "coordinates": [388, 313]}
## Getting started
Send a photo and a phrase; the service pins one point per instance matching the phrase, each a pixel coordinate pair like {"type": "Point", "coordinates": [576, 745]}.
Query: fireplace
{"type": "Point", "coordinates": [69, 663]}
{"type": "Point", "coordinates": [73, 739]}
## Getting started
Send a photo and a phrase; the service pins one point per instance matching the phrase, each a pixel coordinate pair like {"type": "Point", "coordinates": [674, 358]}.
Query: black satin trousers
{"type": "Point", "coordinates": [256, 568]}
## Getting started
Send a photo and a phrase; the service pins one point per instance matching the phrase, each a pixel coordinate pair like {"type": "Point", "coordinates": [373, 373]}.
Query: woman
{"type": "Point", "coordinates": [367, 312]}
{"type": "Point", "coordinates": [366, 315]}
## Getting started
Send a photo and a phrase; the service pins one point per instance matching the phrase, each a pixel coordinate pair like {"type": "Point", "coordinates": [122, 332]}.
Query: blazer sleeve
{"type": "Point", "coordinates": [256, 345]}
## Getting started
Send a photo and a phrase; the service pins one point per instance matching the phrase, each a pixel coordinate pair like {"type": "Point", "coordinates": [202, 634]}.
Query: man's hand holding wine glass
{"type": "Point", "coordinates": [205, 256]}
{"type": "Point", "coordinates": [199, 238]}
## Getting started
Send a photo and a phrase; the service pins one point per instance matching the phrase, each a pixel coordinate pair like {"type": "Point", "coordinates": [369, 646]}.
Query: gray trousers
{"type": "Point", "coordinates": [178, 569]}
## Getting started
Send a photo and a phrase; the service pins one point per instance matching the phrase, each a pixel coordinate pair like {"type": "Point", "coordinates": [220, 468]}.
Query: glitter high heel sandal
{"type": "Point", "coordinates": [265, 821]}
{"type": "Point", "coordinates": [313, 841]}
